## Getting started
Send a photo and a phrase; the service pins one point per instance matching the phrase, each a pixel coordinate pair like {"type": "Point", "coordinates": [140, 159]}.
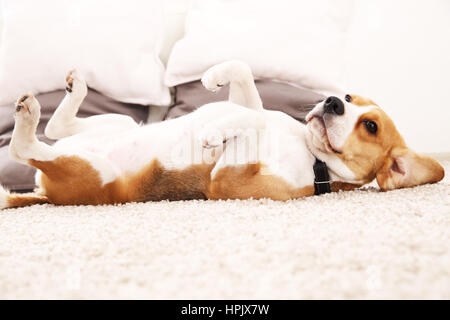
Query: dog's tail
{"type": "Point", "coordinates": [15, 200]}
{"type": "Point", "coordinates": [242, 85]}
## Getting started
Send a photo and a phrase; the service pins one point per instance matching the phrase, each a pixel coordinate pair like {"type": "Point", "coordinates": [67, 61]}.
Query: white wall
{"type": "Point", "coordinates": [399, 55]}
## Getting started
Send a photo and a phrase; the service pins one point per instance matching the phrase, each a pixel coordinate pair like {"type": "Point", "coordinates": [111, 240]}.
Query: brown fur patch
{"type": "Point", "coordinates": [17, 200]}
{"type": "Point", "coordinates": [156, 183]}
{"type": "Point", "coordinates": [343, 186]}
{"type": "Point", "coordinates": [246, 181]}
{"type": "Point", "coordinates": [361, 101]}
{"type": "Point", "coordinates": [371, 156]}
{"type": "Point", "coordinates": [73, 181]}
{"type": "Point", "coordinates": [421, 169]}
{"type": "Point", "coordinates": [364, 153]}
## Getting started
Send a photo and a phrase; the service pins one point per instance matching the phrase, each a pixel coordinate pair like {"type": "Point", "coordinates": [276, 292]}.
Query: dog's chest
{"type": "Point", "coordinates": [289, 158]}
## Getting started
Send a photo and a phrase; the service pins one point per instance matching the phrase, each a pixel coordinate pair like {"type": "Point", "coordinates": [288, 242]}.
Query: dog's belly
{"type": "Point", "coordinates": [173, 143]}
{"type": "Point", "coordinates": [175, 146]}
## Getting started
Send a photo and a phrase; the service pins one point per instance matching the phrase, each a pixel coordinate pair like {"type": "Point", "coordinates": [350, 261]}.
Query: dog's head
{"type": "Point", "coordinates": [355, 132]}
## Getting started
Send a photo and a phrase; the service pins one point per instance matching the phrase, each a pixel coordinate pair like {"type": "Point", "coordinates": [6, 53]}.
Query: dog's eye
{"type": "Point", "coordinates": [371, 126]}
{"type": "Point", "coordinates": [348, 98]}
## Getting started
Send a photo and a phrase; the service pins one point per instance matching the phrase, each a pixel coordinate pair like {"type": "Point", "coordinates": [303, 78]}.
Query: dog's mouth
{"type": "Point", "coordinates": [318, 128]}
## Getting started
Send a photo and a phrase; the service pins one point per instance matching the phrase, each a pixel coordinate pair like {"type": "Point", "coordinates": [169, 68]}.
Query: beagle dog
{"type": "Point", "coordinates": [225, 150]}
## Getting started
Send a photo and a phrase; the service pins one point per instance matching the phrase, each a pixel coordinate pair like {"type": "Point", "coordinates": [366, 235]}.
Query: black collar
{"type": "Point", "coordinates": [322, 178]}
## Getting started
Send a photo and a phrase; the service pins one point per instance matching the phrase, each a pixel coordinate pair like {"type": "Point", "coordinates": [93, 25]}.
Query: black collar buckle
{"type": "Point", "coordinates": [322, 183]}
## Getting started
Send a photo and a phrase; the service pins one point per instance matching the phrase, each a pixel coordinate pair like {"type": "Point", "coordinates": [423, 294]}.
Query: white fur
{"type": "Point", "coordinates": [3, 198]}
{"type": "Point", "coordinates": [115, 145]}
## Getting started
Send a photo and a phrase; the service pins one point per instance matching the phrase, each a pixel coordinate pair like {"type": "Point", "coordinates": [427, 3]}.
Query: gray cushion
{"type": "Point", "coordinates": [294, 101]}
{"type": "Point", "coordinates": [17, 177]}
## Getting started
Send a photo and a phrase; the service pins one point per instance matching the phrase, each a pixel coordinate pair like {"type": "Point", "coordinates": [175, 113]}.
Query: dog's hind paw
{"type": "Point", "coordinates": [221, 74]}
{"type": "Point", "coordinates": [28, 108]}
{"type": "Point", "coordinates": [213, 79]}
{"type": "Point", "coordinates": [75, 83]}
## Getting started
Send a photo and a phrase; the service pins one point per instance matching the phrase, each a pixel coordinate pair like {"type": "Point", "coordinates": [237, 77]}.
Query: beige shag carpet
{"type": "Point", "coordinates": [358, 245]}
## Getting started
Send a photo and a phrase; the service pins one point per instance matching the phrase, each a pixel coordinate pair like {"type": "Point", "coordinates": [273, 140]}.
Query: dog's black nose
{"type": "Point", "coordinates": [334, 105]}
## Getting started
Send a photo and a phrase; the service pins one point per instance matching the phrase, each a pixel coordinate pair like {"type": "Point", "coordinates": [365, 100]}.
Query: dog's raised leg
{"type": "Point", "coordinates": [242, 85]}
{"type": "Point", "coordinates": [23, 146]}
{"type": "Point", "coordinates": [24, 143]}
{"type": "Point", "coordinates": [65, 123]}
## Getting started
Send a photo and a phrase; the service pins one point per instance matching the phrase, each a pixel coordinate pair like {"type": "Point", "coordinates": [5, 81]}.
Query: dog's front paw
{"type": "Point", "coordinates": [213, 79]}
{"type": "Point", "coordinates": [28, 108]}
{"type": "Point", "coordinates": [75, 84]}
{"type": "Point", "coordinates": [221, 74]}
{"type": "Point", "coordinates": [210, 138]}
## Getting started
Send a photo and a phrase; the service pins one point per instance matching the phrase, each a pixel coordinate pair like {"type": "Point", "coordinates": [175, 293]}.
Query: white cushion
{"type": "Point", "coordinates": [113, 43]}
{"type": "Point", "coordinates": [175, 12]}
{"type": "Point", "coordinates": [301, 41]}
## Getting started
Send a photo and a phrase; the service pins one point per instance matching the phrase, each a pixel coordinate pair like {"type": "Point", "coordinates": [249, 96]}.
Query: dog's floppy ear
{"type": "Point", "coordinates": [404, 168]}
